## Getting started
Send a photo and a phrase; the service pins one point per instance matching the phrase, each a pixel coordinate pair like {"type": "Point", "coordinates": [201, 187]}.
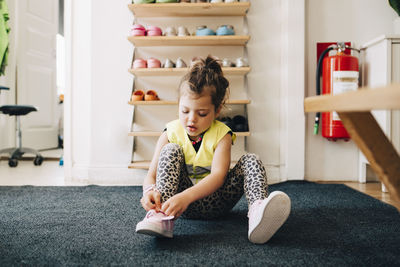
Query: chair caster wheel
{"type": "Point", "coordinates": [12, 162]}
{"type": "Point", "coordinates": [38, 160]}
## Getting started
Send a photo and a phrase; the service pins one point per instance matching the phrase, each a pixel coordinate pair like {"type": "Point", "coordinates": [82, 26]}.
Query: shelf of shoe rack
{"type": "Point", "coordinates": [156, 134]}
{"type": "Point", "coordinates": [175, 102]}
{"type": "Point", "coordinates": [145, 164]}
{"type": "Point", "coordinates": [185, 10]}
{"type": "Point", "coordinates": [181, 71]}
{"type": "Point", "coordinates": [189, 9]}
{"type": "Point", "coordinates": [211, 40]}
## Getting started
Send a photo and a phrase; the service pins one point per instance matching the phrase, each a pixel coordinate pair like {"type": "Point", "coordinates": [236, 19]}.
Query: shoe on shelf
{"type": "Point", "coordinates": [167, 1]}
{"type": "Point", "coordinates": [240, 124]}
{"type": "Point", "coordinates": [225, 30]}
{"type": "Point", "coordinates": [151, 95]}
{"type": "Point", "coordinates": [227, 63]}
{"type": "Point", "coordinates": [143, 1]}
{"type": "Point", "coordinates": [139, 63]}
{"type": "Point", "coordinates": [138, 30]}
{"type": "Point", "coordinates": [227, 121]}
{"type": "Point", "coordinates": [183, 31]}
{"type": "Point", "coordinates": [231, 1]}
{"type": "Point", "coordinates": [154, 31]}
{"type": "Point", "coordinates": [216, 1]}
{"type": "Point", "coordinates": [137, 95]}
{"type": "Point", "coordinates": [204, 31]}
{"type": "Point", "coordinates": [266, 216]}
{"type": "Point", "coordinates": [241, 62]}
{"type": "Point", "coordinates": [169, 63]}
{"type": "Point", "coordinates": [156, 224]}
{"type": "Point", "coordinates": [170, 31]}
{"type": "Point", "coordinates": [153, 63]}
{"type": "Point", "coordinates": [180, 63]}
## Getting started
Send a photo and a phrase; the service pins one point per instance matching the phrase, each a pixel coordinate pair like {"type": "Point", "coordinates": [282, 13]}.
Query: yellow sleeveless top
{"type": "Point", "coordinates": [198, 163]}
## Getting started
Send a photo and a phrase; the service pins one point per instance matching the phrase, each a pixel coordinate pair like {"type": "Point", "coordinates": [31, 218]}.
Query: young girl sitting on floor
{"type": "Point", "coordinates": [189, 174]}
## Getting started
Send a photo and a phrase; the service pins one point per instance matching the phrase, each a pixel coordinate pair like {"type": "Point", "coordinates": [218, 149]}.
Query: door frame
{"type": "Point", "coordinates": [67, 141]}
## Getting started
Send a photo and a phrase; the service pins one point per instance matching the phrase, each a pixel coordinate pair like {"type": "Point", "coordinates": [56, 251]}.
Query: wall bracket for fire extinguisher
{"type": "Point", "coordinates": [340, 47]}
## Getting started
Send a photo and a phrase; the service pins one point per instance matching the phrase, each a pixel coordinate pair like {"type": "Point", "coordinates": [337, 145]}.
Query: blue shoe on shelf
{"type": "Point", "coordinates": [204, 31]}
{"type": "Point", "coordinates": [225, 30]}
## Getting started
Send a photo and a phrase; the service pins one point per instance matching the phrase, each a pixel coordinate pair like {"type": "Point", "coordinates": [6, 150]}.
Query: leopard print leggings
{"type": "Point", "coordinates": [248, 176]}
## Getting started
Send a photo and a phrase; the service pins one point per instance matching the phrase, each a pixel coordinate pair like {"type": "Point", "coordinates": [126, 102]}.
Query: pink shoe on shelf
{"type": "Point", "coordinates": [156, 224]}
{"type": "Point", "coordinates": [154, 31]}
{"type": "Point", "coordinates": [139, 63]}
{"type": "Point", "coordinates": [153, 63]}
{"type": "Point", "coordinates": [266, 216]}
{"type": "Point", "coordinates": [138, 30]}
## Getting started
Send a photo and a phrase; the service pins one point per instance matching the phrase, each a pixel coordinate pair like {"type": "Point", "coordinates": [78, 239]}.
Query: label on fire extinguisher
{"type": "Point", "coordinates": [343, 81]}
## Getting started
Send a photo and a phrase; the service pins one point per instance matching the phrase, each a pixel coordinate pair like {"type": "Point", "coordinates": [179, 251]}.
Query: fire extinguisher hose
{"type": "Point", "coordinates": [318, 84]}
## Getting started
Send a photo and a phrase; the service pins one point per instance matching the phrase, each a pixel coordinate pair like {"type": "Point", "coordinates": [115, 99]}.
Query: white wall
{"type": "Point", "coordinates": [276, 86]}
{"type": "Point", "coordinates": [357, 21]}
{"type": "Point", "coordinates": [100, 149]}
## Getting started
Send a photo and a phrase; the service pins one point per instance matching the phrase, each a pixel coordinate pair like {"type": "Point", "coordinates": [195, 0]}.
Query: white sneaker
{"type": "Point", "coordinates": [266, 216]}
{"type": "Point", "coordinates": [156, 224]}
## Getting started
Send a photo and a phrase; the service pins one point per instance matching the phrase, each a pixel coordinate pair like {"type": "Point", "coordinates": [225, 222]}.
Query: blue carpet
{"type": "Point", "coordinates": [330, 225]}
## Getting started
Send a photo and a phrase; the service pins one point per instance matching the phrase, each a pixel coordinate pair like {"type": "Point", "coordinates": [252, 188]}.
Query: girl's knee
{"type": "Point", "coordinates": [171, 148]}
{"type": "Point", "coordinates": [249, 157]}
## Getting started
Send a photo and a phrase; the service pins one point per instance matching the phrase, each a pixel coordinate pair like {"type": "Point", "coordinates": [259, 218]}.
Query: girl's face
{"type": "Point", "coordinates": [196, 112]}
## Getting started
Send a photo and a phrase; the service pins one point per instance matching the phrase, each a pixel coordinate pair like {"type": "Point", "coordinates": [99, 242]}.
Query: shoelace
{"type": "Point", "coordinates": [152, 213]}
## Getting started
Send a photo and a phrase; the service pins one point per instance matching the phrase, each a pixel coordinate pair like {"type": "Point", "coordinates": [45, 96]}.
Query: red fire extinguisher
{"type": "Point", "coordinates": [339, 75]}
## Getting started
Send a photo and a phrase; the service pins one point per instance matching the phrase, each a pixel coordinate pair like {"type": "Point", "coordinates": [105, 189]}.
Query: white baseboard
{"type": "Point", "coordinates": [106, 175]}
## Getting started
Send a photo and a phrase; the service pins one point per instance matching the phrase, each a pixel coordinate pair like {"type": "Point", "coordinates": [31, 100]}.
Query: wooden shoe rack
{"type": "Point", "coordinates": [183, 10]}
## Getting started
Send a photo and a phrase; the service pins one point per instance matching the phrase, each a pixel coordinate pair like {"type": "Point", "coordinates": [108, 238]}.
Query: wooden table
{"type": "Point", "coordinates": [354, 109]}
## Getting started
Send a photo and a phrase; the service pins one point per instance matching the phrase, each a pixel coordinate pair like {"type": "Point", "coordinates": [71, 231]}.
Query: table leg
{"type": "Point", "coordinates": [372, 141]}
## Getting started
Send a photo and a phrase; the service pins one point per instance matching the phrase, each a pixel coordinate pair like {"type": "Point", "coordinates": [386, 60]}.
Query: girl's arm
{"type": "Point", "coordinates": [177, 204]}
{"type": "Point", "coordinates": [152, 199]}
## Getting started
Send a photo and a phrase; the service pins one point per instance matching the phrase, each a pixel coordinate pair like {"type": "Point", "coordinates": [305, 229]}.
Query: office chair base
{"type": "Point", "coordinates": [16, 153]}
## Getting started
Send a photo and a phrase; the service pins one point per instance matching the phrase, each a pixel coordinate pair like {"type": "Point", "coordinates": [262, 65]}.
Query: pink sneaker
{"type": "Point", "coordinates": [153, 63]}
{"type": "Point", "coordinates": [138, 30]}
{"type": "Point", "coordinates": [154, 31]}
{"type": "Point", "coordinates": [139, 63]}
{"type": "Point", "coordinates": [266, 216]}
{"type": "Point", "coordinates": [156, 224]}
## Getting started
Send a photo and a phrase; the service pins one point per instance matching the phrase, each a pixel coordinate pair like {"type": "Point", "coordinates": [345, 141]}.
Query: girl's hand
{"type": "Point", "coordinates": [151, 200]}
{"type": "Point", "coordinates": [176, 205]}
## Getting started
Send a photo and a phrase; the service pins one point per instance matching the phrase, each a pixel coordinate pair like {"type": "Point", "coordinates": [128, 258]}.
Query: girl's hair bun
{"type": "Point", "coordinates": [207, 73]}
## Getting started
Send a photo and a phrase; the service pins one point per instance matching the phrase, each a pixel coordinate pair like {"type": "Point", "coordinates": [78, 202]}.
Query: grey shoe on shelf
{"type": "Point", "coordinates": [180, 63]}
{"type": "Point", "coordinates": [241, 62]}
{"type": "Point", "coordinates": [169, 63]}
{"type": "Point", "coordinates": [227, 63]}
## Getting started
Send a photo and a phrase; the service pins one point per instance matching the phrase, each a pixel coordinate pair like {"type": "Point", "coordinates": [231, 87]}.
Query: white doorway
{"type": "Point", "coordinates": [38, 79]}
